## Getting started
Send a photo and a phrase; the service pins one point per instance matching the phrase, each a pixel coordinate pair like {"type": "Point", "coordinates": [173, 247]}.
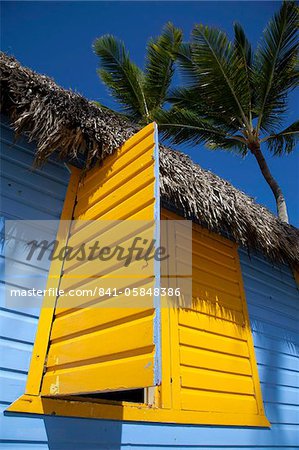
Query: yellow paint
{"type": "Point", "coordinates": [209, 372]}
{"type": "Point", "coordinates": [211, 360]}
{"type": "Point", "coordinates": [112, 181]}
{"type": "Point", "coordinates": [46, 316]}
{"type": "Point", "coordinates": [112, 232]}
{"type": "Point", "coordinates": [129, 372]}
{"type": "Point", "coordinates": [129, 412]}
{"type": "Point", "coordinates": [216, 343]}
{"type": "Point", "coordinates": [212, 356]}
{"type": "Point", "coordinates": [170, 327]}
{"type": "Point", "coordinates": [143, 182]}
{"type": "Point", "coordinates": [165, 388]}
{"type": "Point", "coordinates": [80, 320]}
{"type": "Point", "coordinates": [107, 344]}
{"type": "Point", "coordinates": [141, 142]}
{"type": "Point", "coordinates": [203, 379]}
{"type": "Point", "coordinates": [223, 402]}
{"type": "Point", "coordinates": [100, 344]}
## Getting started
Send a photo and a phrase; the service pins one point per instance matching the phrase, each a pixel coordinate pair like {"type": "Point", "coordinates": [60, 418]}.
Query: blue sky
{"type": "Point", "coordinates": [55, 38]}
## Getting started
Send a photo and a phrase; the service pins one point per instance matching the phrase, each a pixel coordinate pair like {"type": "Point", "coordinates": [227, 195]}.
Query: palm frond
{"type": "Point", "coordinates": [242, 45]}
{"type": "Point", "coordinates": [243, 50]}
{"type": "Point", "coordinates": [189, 98]}
{"type": "Point", "coordinates": [275, 66]}
{"type": "Point", "coordinates": [187, 67]}
{"type": "Point", "coordinates": [122, 77]}
{"type": "Point", "coordinates": [223, 79]}
{"type": "Point", "coordinates": [193, 100]}
{"type": "Point", "coordinates": [285, 141]}
{"type": "Point", "coordinates": [182, 125]}
{"type": "Point", "coordinates": [160, 64]}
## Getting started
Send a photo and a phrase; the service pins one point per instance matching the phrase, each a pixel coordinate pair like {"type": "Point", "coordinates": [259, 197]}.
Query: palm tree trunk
{"type": "Point", "coordinates": [279, 197]}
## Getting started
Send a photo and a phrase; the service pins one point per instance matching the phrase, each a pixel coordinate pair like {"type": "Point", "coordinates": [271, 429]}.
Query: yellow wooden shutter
{"type": "Point", "coordinates": [110, 347]}
{"type": "Point", "coordinates": [208, 374]}
{"type": "Point", "coordinates": [213, 362]}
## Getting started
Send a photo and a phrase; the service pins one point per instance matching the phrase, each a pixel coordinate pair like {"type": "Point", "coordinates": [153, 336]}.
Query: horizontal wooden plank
{"type": "Point", "coordinates": [280, 305]}
{"type": "Point", "coordinates": [281, 395]}
{"type": "Point", "coordinates": [132, 416]}
{"type": "Point", "coordinates": [26, 211]}
{"type": "Point", "coordinates": [276, 359]}
{"type": "Point", "coordinates": [25, 310]}
{"type": "Point", "coordinates": [283, 294]}
{"type": "Point", "coordinates": [215, 296]}
{"type": "Point", "coordinates": [138, 141]}
{"type": "Point", "coordinates": [182, 436]}
{"type": "Point", "coordinates": [14, 429]}
{"type": "Point", "coordinates": [215, 325]}
{"type": "Point", "coordinates": [208, 251]}
{"type": "Point", "coordinates": [216, 308]}
{"type": "Point", "coordinates": [107, 233]}
{"type": "Point", "coordinates": [203, 379]}
{"type": "Point", "coordinates": [23, 193]}
{"type": "Point", "coordinates": [286, 346]}
{"type": "Point", "coordinates": [83, 295]}
{"type": "Point", "coordinates": [17, 326]}
{"type": "Point", "coordinates": [24, 156]}
{"type": "Point", "coordinates": [15, 445]}
{"type": "Point", "coordinates": [282, 414]}
{"type": "Point", "coordinates": [206, 359]}
{"type": "Point", "coordinates": [142, 181]}
{"type": "Point", "coordinates": [119, 278]}
{"type": "Point", "coordinates": [226, 272]}
{"type": "Point", "coordinates": [91, 229]}
{"type": "Point", "coordinates": [86, 274]}
{"type": "Point", "coordinates": [215, 281]}
{"type": "Point", "coordinates": [126, 208]}
{"type": "Point", "coordinates": [259, 260]}
{"type": "Point", "coordinates": [275, 376]}
{"type": "Point", "coordinates": [214, 401]}
{"type": "Point", "coordinates": [12, 385]}
{"type": "Point", "coordinates": [20, 274]}
{"type": "Point", "coordinates": [265, 277]}
{"type": "Point", "coordinates": [208, 238]}
{"type": "Point", "coordinates": [213, 342]}
{"type": "Point", "coordinates": [99, 315]}
{"type": "Point", "coordinates": [101, 377]}
{"type": "Point", "coordinates": [15, 355]}
{"type": "Point", "coordinates": [112, 178]}
{"type": "Point", "coordinates": [124, 337]}
{"type": "Point", "coordinates": [18, 254]}
{"type": "Point", "coordinates": [259, 325]}
{"type": "Point", "coordinates": [74, 271]}
{"type": "Point", "coordinates": [289, 323]}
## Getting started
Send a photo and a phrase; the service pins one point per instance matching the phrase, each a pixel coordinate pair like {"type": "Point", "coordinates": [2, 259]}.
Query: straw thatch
{"type": "Point", "coordinates": [62, 121]}
{"type": "Point", "coordinates": [57, 118]}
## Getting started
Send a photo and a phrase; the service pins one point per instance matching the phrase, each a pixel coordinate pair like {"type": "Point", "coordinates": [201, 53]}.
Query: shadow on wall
{"type": "Point", "coordinates": [83, 434]}
{"type": "Point", "coordinates": [279, 374]}
{"type": "Point", "coordinates": [272, 296]}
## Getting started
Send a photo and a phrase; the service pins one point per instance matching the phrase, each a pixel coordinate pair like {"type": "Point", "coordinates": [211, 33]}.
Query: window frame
{"type": "Point", "coordinates": [163, 401]}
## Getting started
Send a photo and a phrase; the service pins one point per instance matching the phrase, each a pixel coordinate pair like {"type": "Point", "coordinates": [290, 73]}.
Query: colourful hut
{"type": "Point", "coordinates": [221, 372]}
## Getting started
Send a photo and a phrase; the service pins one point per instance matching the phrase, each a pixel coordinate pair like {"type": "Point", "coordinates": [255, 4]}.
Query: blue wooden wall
{"type": "Point", "coordinates": [273, 302]}
{"type": "Point", "coordinates": [34, 195]}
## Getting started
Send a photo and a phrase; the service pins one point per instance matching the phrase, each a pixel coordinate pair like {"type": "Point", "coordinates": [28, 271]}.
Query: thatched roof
{"type": "Point", "coordinates": [60, 119]}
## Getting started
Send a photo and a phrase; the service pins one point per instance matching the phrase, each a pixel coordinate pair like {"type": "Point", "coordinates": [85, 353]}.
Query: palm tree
{"type": "Point", "coordinates": [141, 93]}
{"type": "Point", "coordinates": [234, 98]}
